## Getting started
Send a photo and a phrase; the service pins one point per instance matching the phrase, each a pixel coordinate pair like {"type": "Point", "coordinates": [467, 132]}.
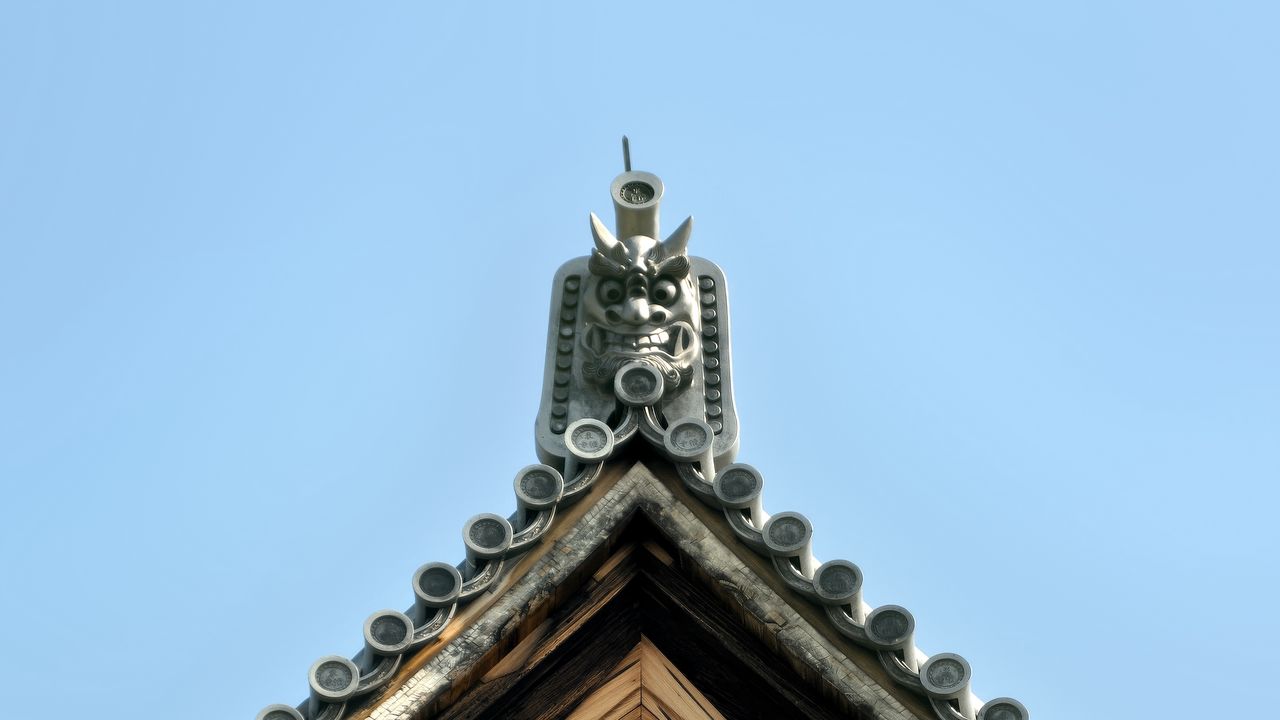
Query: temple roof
{"type": "Point", "coordinates": [496, 633]}
{"type": "Point", "coordinates": [637, 420]}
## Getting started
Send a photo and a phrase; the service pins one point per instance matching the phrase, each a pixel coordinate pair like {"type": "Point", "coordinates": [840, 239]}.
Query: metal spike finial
{"type": "Point", "coordinates": [626, 154]}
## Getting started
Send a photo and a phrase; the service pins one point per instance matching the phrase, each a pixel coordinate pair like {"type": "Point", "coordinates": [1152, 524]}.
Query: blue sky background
{"type": "Point", "coordinates": [273, 285]}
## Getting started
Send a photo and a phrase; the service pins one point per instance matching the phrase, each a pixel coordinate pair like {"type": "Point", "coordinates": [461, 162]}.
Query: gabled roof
{"type": "Point", "coordinates": [510, 650]}
{"type": "Point", "coordinates": [638, 356]}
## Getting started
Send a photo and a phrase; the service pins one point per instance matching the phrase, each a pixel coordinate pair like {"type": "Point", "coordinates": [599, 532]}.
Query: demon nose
{"type": "Point", "coordinates": [632, 311]}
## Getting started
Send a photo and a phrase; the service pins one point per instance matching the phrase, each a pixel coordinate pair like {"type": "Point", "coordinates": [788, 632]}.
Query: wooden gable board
{"type": "Point", "coordinates": [585, 564]}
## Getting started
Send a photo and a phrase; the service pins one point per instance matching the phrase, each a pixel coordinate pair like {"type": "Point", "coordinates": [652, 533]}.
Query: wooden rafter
{"type": "Point", "coordinates": [646, 684]}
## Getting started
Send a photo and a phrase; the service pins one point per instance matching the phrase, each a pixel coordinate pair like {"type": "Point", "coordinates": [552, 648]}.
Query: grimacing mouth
{"type": "Point", "coordinates": [673, 340]}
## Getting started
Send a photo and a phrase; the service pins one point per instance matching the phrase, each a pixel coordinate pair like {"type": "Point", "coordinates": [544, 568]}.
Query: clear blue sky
{"type": "Point", "coordinates": [273, 286]}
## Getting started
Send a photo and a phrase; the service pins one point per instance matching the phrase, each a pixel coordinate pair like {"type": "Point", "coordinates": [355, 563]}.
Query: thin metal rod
{"type": "Point", "coordinates": [626, 154]}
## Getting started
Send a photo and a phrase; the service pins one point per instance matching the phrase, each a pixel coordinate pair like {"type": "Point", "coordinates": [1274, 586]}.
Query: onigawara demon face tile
{"type": "Point", "coordinates": [639, 305]}
{"type": "Point", "coordinates": [638, 335]}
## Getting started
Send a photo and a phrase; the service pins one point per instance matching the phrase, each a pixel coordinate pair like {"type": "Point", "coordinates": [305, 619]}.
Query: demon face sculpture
{"type": "Point", "coordinates": [637, 300]}
{"type": "Point", "coordinates": [639, 306]}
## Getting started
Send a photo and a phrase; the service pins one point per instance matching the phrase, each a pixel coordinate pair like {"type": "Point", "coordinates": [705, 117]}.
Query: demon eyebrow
{"type": "Point", "coordinates": [676, 266]}
{"type": "Point", "coordinates": [604, 267]}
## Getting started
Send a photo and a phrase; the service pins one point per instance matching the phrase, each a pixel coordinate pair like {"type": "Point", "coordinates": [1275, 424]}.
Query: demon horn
{"type": "Point", "coordinates": [678, 242]}
{"type": "Point", "coordinates": [606, 243]}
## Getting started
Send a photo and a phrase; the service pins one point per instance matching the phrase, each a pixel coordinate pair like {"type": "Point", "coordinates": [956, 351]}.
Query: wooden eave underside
{"type": "Point", "coordinates": [639, 595]}
{"type": "Point", "coordinates": [646, 685]}
{"type": "Point", "coordinates": [569, 611]}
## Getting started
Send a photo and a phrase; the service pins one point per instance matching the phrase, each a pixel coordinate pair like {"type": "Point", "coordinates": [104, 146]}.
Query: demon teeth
{"type": "Point", "coordinates": [674, 339]}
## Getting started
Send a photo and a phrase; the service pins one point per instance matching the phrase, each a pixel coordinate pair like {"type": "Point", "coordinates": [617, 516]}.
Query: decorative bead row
{"type": "Point", "coordinates": [711, 351]}
{"type": "Point", "coordinates": [565, 343]}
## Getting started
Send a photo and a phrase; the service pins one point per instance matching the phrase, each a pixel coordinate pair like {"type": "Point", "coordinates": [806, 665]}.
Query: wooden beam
{"type": "Point", "coordinates": [646, 684]}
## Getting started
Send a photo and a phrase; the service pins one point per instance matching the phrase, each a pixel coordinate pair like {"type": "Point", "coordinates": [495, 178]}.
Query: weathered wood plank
{"type": "Point", "coordinates": [618, 697]}
{"type": "Point", "coordinates": [646, 681]}
{"type": "Point", "coordinates": [518, 658]}
{"type": "Point", "coordinates": [565, 572]}
{"type": "Point", "coordinates": [546, 577]}
{"type": "Point", "coordinates": [576, 653]}
{"type": "Point", "coordinates": [667, 692]}
{"type": "Point", "coordinates": [796, 629]}
{"type": "Point", "coordinates": [738, 673]}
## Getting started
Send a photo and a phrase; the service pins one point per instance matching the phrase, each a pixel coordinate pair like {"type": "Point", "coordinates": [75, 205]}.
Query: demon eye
{"type": "Point", "coordinates": [609, 291]}
{"type": "Point", "coordinates": [665, 291]}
